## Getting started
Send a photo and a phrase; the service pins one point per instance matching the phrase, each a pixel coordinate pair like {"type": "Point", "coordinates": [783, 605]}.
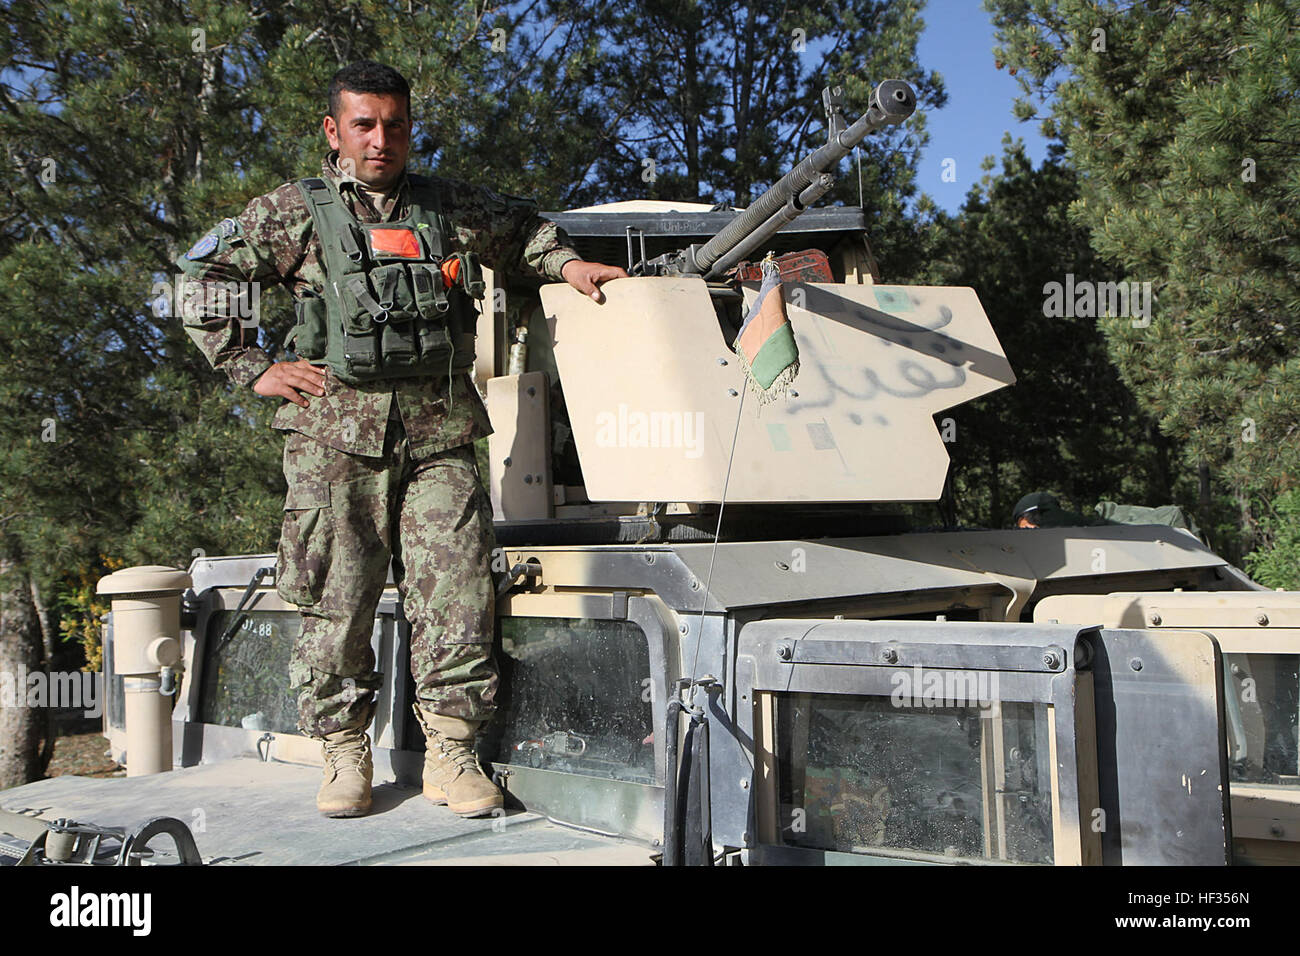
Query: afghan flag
{"type": "Point", "coordinates": [765, 344]}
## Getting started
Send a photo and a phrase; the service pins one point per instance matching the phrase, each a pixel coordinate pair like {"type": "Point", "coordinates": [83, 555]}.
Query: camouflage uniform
{"type": "Point", "coordinates": [377, 471]}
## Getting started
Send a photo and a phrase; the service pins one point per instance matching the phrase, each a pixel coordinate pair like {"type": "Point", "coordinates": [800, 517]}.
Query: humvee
{"type": "Point", "coordinates": [718, 644]}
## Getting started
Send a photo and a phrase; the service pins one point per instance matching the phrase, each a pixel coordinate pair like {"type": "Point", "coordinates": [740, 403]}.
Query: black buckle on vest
{"type": "Point", "coordinates": [357, 286]}
{"type": "Point", "coordinates": [388, 292]}
{"type": "Point", "coordinates": [320, 187]}
{"type": "Point", "coordinates": [348, 243]}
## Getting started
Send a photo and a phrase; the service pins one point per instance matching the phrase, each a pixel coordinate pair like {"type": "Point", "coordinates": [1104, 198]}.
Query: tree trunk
{"type": "Point", "coordinates": [1250, 538]}
{"type": "Point", "coordinates": [20, 655]}
{"type": "Point", "coordinates": [947, 503]}
{"type": "Point", "coordinates": [47, 665]}
{"type": "Point", "coordinates": [996, 518]}
{"type": "Point", "coordinates": [1203, 502]}
{"type": "Point", "coordinates": [691, 112]}
{"type": "Point", "coordinates": [1164, 467]}
{"type": "Point", "coordinates": [1203, 498]}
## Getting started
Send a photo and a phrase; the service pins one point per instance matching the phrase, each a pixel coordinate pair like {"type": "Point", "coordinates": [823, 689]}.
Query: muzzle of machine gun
{"type": "Point", "coordinates": [892, 102]}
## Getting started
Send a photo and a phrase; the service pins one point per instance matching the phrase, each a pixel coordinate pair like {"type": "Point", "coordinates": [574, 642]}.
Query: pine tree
{"type": "Point", "coordinates": [128, 130]}
{"type": "Point", "coordinates": [715, 103]}
{"type": "Point", "coordinates": [1181, 120]}
{"type": "Point", "coordinates": [1068, 425]}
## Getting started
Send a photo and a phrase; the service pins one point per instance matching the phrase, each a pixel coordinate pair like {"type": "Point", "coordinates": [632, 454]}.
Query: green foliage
{"type": "Point", "coordinates": [1279, 565]}
{"type": "Point", "coordinates": [81, 609]}
{"type": "Point", "coordinates": [725, 100]}
{"type": "Point", "coordinates": [1181, 120]}
{"type": "Point", "coordinates": [105, 402]}
{"type": "Point", "coordinates": [1069, 424]}
{"type": "Point", "coordinates": [130, 129]}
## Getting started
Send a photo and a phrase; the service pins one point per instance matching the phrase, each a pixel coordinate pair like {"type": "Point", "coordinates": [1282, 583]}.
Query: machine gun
{"type": "Point", "coordinates": [891, 103]}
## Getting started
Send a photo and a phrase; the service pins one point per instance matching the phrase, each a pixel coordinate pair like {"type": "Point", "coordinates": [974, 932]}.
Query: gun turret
{"type": "Point", "coordinates": [891, 103]}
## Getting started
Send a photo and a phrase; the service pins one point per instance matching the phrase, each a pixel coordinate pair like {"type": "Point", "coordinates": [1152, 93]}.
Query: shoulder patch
{"type": "Point", "coordinates": [224, 234]}
{"type": "Point", "coordinates": [204, 246]}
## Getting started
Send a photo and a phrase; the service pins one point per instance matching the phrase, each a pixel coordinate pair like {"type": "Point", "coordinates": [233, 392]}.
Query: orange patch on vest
{"type": "Point", "coordinates": [395, 242]}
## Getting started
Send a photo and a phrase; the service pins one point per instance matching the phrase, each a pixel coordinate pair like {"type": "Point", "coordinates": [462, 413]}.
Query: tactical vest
{"type": "Point", "coordinates": [395, 303]}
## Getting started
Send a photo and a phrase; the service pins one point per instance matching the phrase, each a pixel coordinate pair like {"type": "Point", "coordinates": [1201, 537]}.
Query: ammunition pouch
{"type": "Point", "coordinates": [388, 309]}
{"type": "Point", "coordinates": [308, 338]}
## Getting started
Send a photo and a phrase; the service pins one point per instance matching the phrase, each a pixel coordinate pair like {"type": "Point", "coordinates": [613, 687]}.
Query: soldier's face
{"type": "Point", "coordinates": [373, 136]}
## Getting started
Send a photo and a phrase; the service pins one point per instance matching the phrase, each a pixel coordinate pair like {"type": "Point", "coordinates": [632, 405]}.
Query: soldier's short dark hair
{"type": "Point", "coordinates": [367, 76]}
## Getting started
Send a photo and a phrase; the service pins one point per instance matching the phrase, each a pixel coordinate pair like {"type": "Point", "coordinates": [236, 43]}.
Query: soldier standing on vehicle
{"type": "Point", "coordinates": [380, 413]}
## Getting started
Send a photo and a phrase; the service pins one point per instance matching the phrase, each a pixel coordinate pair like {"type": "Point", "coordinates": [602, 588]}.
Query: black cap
{"type": "Point", "coordinates": [1034, 502]}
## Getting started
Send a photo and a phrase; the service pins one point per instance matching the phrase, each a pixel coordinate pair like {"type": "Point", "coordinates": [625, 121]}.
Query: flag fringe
{"type": "Point", "coordinates": [780, 385]}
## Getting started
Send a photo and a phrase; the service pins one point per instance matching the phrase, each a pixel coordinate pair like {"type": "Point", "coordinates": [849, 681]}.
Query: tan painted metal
{"type": "Point", "coordinates": [1076, 841]}
{"type": "Point", "coordinates": [992, 816]}
{"type": "Point", "coordinates": [1233, 617]}
{"type": "Point", "coordinates": [146, 628]}
{"type": "Point", "coordinates": [647, 205]}
{"type": "Point", "coordinates": [1018, 563]}
{"type": "Point", "coordinates": [858, 263]}
{"type": "Point", "coordinates": [1265, 818]}
{"type": "Point", "coordinates": [765, 779]}
{"type": "Point", "coordinates": [519, 461]}
{"type": "Point", "coordinates": [489, 329]}
{"type": "Point", "coordinates": [551, 603]}
{"type": "Point", "coordinates": [1265, 825]}
{"type": "Point", "coordinates": [653, 391]}
{"type": "Point", "coordinates": [24, 827]}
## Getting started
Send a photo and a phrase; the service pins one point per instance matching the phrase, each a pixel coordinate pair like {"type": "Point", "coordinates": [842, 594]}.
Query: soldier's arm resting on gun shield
{"type": "Point", "coordinates": [587, 277]}
{"type": "Point", "coordinates": [509, 230]}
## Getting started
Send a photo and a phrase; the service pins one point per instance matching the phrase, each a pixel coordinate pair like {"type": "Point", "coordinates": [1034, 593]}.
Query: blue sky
{"type": "Point", "coordinates": [958, 43]}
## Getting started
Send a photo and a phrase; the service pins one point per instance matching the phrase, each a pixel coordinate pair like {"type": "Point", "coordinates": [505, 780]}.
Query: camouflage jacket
{"type": "Point", "coordinates": [273, 241]}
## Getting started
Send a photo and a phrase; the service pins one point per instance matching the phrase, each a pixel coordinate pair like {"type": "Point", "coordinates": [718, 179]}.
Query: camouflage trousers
{"type": "Point", "coordinates": [345, 517]}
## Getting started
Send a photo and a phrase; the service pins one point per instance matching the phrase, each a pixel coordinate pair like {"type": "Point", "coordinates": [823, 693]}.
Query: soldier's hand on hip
{"type": "Point", "coordinates": [288, 379]}
{"type": "Point", "coordinates": [586, 277]}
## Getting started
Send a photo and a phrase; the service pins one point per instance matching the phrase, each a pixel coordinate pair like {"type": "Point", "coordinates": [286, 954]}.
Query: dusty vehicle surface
{"type": "Point", "coordinates": [817, 685]}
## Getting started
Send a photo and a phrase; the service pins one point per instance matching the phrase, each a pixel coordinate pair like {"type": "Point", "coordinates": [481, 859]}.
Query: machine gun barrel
{"type": "Point", "coordinates": [891, 103]}
{"type": "Point", "coordinates": [787, 213]}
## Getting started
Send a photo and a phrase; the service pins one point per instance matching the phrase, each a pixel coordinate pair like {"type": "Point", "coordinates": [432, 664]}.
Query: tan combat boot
{"type": "Point", "coordinates": [452, 774]}
{"type": "Point", "coordinates": [345, 791]}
